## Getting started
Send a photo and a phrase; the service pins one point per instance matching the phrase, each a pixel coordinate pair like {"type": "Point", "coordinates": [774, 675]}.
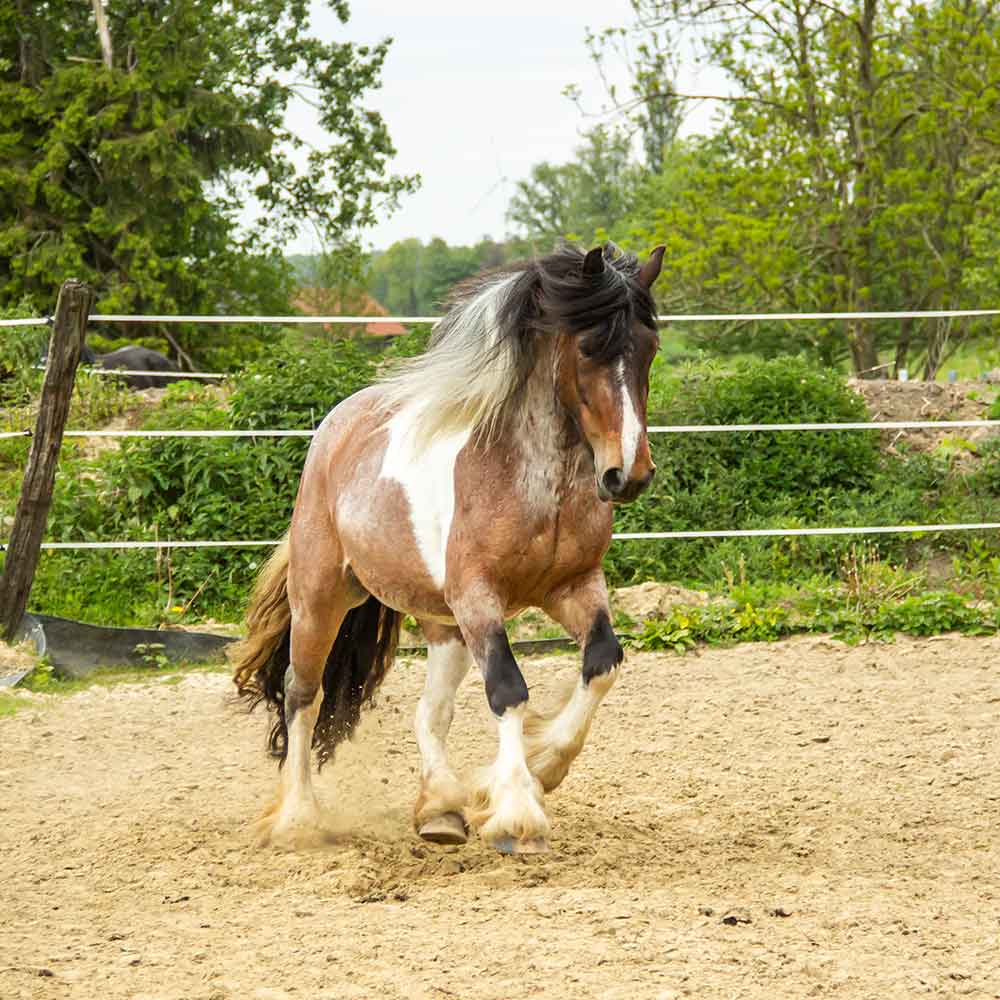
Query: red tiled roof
{"type": "Point", "coordinates": [326, 302]}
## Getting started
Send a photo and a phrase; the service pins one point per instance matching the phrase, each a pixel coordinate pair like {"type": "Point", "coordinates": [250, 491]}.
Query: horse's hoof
{"type": "Point", "coordinates": [448, 828]}
{"type": "Point", "coordinates": [512, 845]}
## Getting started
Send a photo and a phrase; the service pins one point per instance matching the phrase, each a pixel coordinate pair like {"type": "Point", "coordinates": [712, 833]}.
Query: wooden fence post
{"type": "Point", "coordinates": [68, 331]}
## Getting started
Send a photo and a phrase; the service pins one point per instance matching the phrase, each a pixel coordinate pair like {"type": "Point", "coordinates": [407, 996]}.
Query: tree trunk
{"type": "Point", "coordinates": [103, 33]}
{"type": "Point", "coordinates": [864, 349]}
{"type": "Point", "coordinates": [28, 61]}
{"type": "Point", "coordinates": [864, 353]}
{"type": "Point", "coordinates": [902, 347]}
{"type": "Point", "coordinates": [24, 546]}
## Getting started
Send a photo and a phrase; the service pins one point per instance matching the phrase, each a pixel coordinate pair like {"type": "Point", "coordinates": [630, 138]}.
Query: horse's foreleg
{"type": "Point", "coordinates": [553, 741]}
{"type": "Point", "coordinates": [438, 815]}
{"type": "Point", "coordinates": [507, 803]}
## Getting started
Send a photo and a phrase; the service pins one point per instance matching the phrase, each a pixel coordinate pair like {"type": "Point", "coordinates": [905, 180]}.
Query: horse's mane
{"type": "Point", "coordinates": [485, 347]}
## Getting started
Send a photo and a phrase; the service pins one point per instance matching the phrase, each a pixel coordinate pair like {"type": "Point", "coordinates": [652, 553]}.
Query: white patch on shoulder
{"type": "Point", "coordinates": [427, 475]}
{"type": "Point", "coordinates": [631, 425]}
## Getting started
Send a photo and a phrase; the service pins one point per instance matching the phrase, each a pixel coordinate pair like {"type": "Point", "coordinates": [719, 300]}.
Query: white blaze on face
{"type": "Point", "coordinates": [631, 425]}
{"type": "Point", "coordinates": [427, 476]}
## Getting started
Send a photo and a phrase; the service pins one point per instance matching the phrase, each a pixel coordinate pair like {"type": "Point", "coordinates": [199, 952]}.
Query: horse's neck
{"type": "Point", "coordinates": [553, 458]}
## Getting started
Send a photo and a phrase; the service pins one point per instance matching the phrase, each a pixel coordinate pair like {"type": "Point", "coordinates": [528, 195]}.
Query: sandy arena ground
{"type": "Point", "coordinates": [794, 820]}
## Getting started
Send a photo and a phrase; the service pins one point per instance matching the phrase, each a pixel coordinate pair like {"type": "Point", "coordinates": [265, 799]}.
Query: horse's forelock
{"type": "Point", "coordinates": [553, 293]}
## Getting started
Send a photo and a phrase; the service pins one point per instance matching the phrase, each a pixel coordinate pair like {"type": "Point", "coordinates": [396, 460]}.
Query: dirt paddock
{"type": "Point", "coordinates": [794, 820]}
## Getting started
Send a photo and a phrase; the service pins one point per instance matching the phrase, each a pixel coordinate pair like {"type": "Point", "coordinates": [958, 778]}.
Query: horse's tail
{"type": "Point", "coordinates": [358, 662]}
{"type": "Point", "coordinates": [268, 622]}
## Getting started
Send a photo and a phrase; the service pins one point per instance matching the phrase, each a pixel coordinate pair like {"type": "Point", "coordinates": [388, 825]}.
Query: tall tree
{"type": "Point", "coordinates": [852, 164]}
{"type": "Point", "coordinates": [650, 106]}
{"type": "Point", "coordinates": [589, 195]}
{"type": "Point", "coordinates": [133, 175]}
{"type": "Point", "coordinates": [412, 279]}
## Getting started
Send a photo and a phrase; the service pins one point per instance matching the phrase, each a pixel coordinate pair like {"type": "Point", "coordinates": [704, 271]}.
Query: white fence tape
{"type": "Point", "coordinates": [623, 536]}
{"type": "Point", "coordinates": [869, 425]}
{"type": "Point", "coordinates": [24, 322]}
{"type": "Point", "coordinates": [764, 317]}
{"type": "Point", "coordinates": [342, 320]}
{"type": "Point", "coordinates": [887, 425]}
{"type": "Point", "coordinates": [269, 320]}
{"type": "Point", "coordinates": [667, 318]}
{"type": "Point", "coordinates": [893, 529]}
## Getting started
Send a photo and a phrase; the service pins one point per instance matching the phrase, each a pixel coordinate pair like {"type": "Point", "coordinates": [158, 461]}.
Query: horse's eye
{"type": "Point", "coordinates": [594, 345]}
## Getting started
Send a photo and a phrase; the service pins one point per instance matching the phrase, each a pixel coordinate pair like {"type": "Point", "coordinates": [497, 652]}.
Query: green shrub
{"type": "Point", "coordinates": [191, 489]}
{"type": "Point", "coordinates": [21, 349]}
{"type": "Point", "coordinates": [934, 613]}
{"type": "Point", "coordinates": [296, 387]}
{"type": "Point", "coordinates": [756, 466]}
{"type": "Point", "coordinates": [410, 344]}
{"type": "Point", "coordinates": [222, 489]}
{"type": "Point", "coordinates": [744, 480]}
{"type": "Point", "coordinates": [822, 610]}
{"type": "Point", "coordinates": [988, 474]}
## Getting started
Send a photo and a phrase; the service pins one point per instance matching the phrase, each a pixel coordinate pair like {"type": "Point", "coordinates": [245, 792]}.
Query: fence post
{"type": "Point", "coordinates": [68, 331]}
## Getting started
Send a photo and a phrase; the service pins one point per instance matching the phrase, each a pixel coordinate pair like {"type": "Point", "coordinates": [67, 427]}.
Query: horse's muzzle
{"type": "Point", "coordinates": [622, 492]}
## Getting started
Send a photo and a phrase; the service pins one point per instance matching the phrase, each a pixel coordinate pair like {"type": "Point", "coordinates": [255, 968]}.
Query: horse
{"type": "Point", "coordinates": [473, 482]}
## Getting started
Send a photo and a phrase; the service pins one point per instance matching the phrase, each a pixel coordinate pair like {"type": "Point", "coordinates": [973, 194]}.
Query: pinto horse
{"type": "Point", "coordinates": [474, 482]}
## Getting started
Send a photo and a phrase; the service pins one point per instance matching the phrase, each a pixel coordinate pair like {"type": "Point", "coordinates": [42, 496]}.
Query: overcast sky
{"type": "Point", "coordinates": [472, 94]}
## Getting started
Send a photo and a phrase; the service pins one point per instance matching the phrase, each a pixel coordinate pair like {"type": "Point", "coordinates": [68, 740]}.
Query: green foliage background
{"type": "Point", "coordinates": [132, 174]}
{"type": "Point", "coordinates": [222, 489]}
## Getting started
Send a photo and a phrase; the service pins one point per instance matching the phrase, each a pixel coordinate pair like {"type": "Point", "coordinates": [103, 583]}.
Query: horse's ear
{"type": "Point", "coordinates": [593, 263]}
{"type": "Point", "coordinates": [650, 271]}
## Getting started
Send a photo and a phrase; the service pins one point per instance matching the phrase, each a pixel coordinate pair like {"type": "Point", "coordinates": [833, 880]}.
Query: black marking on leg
{"type": "Point", "coordinates": [297, 696]}
{"type": "Point", "coordinates": [603, 651]}
{"type": "Point", "coordinates": [505, 685]}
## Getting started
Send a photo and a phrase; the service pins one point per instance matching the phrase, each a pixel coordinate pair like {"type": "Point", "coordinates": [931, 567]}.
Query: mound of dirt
{"type": "Point", "coordinates": [895, 401]}
{"type": "Point", "coordinates": [654, 600]}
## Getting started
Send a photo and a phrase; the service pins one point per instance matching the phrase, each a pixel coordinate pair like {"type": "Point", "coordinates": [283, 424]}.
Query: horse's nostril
{"type": "Point", "coordinates": [614, 481]}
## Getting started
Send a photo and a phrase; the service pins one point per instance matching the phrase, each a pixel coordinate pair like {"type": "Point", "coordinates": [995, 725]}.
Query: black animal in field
{"type": "Point", "coordinates": [143, 359]}
{"type": "Point", "coordinates": [132, 358]}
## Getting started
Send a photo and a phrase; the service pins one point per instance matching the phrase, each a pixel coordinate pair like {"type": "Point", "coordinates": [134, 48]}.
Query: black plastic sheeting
{"type": "Point", "coordinates": [75, 649]}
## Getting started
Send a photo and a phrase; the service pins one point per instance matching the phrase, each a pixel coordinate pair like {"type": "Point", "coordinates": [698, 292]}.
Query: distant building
{"type": "Point", "coordinates": [333, 302]}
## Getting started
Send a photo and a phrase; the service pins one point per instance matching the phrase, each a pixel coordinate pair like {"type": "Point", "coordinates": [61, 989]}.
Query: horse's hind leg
{"type": "Point", "coordinates": [320, 597]}
{"type": "Point", "coordinates": [438, 815]}
{"type": "Point", "coordinates": [554, 741]}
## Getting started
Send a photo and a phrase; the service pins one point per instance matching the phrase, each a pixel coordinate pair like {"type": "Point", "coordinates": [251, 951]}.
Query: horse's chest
{"type": "Point", "coordinates": [527, 538]}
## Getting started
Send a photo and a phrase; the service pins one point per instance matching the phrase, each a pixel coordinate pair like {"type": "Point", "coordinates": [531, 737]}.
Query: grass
{"type": "Point", "coordinates": [10, 704]}
{"type": "Point", "coordinates": [43, 680]}
{"type": "Point", "coordinates": [832, 612]}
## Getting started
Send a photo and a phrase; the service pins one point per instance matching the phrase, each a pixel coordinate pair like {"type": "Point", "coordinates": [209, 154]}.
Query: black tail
{"type": "Point", "coordinates": [361, 656]}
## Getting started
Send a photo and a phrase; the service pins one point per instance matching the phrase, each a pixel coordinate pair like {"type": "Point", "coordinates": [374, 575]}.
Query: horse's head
{"type": "Point", "coordinates": [603, 377]}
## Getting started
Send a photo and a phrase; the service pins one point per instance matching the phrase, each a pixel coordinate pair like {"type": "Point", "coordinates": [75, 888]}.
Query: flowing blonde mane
{"type": "Point", "coordinates": [468, 372]}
